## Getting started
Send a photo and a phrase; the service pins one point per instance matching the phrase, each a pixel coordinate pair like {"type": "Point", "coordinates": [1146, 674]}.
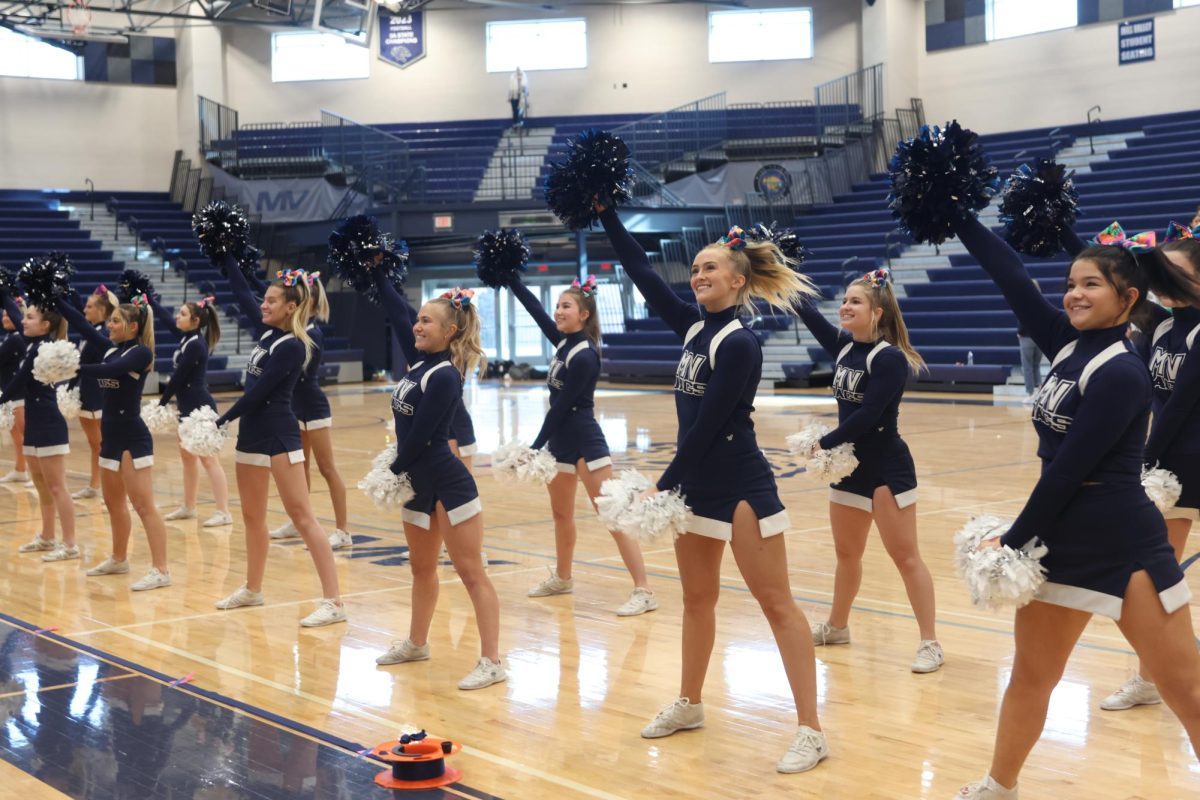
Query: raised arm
{"type": "Point", "coordinates": [1071, 242]}
{"type": "Point", "coordinates": [1116, 395]}
{"type": "Point", "coordinates": [889, 373]}
{"type": "Point", "coordinates": [165, 317]}
{"type": "Point", "coordinates": [78, 321]}
{"type": "Point", "coordinates": [828, 336]}
{"type": "Point", "coordinates": [581, 373]}
{"type": "Point", "coordinates": [536, 310]}
{"type": "Point", "coordinates": [135, 359]}
{"type": "Point", "coordinates": [13, 310]}
{"type": "Point", "coordinates": [1048, 326]}
{"type": "Point", "coordinates": [286, 358]}
{"type": "Point", "coordinates": [241, 291]}
{"type": "Point", "coordinates": [396, 308]}
{"type": "Point", "coordinates": [739, 357]}
{"type": "Point", "coordinates": [678, 314]}
{"type": "Point", "coordinates": [441, 395]}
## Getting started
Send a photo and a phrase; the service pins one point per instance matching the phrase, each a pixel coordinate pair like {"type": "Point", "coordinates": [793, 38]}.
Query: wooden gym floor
{"type": "Point", "coordinates": [581, 680]}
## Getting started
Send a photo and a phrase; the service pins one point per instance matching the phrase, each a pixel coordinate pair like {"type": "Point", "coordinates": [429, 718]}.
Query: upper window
{"type": "Point", "coordinates": [769, 35]}
{"type": "Point", "coordinates": [1009, 18]}
{"type": "Point", "coordinates": [1185, 3]}
{"type": "Point", "coordinates": [26, 57]}
{"type": "Point", "coordinates": [536, 44]}
{"type": "Point", "coordinates": [307, 56]}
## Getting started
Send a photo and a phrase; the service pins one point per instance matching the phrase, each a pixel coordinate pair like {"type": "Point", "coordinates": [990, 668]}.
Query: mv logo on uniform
{"type": "Point", "coordinates": [1164, 367]}
{"type": "Point", "coordinates": [1049, 399]}
{"type": "Point", "coordinates": [403, 388]}
{"type": "Point", "coordinates": [846, 383]}
{"type": "Point", "coordinates": [685, 374]}
{"type": "Point", "coordinates": [553, 378]}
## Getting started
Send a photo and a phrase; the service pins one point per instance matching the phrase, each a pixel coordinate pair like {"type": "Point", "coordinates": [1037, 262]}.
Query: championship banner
{"type": "Point", "coordinates": [401, 37]}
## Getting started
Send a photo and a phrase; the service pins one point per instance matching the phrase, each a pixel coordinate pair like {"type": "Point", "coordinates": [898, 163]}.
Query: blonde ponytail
{"type": "Point", "coordinates": [132, 313]}
{"type": "Point", "coordinates": [466, 348]}
{"type": "Point", "coordinates": [294, 286]}
{"type": "Point", "coordinates": [770, 275]}
{"type": "Point", "coordinates": [891, 327]}
{"type": "Point", "coordinates": [320, 300]}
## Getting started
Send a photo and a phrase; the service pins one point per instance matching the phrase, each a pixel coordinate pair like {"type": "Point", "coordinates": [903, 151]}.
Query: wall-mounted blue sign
{"type": "Point", "coordinates": [402, 37]}
{"type": "Point", "coordinates": [1135, 41]}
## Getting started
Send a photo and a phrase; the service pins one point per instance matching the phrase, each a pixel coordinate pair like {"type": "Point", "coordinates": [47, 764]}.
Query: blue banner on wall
{"type": "Point", "coordinates": [1135, 41]}
{"type": "Point", "coordinates": [402, 37]}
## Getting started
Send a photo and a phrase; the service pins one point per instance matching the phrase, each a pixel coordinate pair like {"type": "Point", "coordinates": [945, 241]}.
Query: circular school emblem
{"type": "Point", "coordinates": [773, 182]}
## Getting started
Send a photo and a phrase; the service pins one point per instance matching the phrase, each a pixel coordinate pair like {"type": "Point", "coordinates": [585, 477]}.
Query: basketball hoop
{"type": "Point", "coordinates": [78, 16]}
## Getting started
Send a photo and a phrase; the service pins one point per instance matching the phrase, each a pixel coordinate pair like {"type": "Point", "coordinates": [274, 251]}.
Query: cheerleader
{"type": "Point", "coordinates": [12, 350]}
{"type": "Point", "coordinates": [99, 307]}
{"type": "Point", "coordinates": [311, 407]}
{"type": "Point", "coordinates": [574, 437]}
{"type": "Point", "coordinates": [462, 435]}
{"type": "Point", "coordinates": [198, 328]}
{"type": "Point", "coordinates": [1108, 547]}
{"type": "Point", "coordinates": [268, 439]}
{"type": "Point", "coordinates": [45, 442]}
{"type": "Point", "coordinates": [126, 446]}
{"type": "Point", "coordinates": [721, 471]}
{"type": "Point", "coordinates": [446, 503]}
{"type": "Point", "coordinates": [874, 359]}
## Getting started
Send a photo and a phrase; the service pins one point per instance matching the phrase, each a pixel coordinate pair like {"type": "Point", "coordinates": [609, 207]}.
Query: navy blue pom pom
{"type": "Point", "coordinates": [500, 256]}
{"type": "Point", "coordinates": [247, 262]}
{"type": "Point", "coordinates": [221, 229]}
{"type": "Point", "coordinates": [46, 278]}
{"type": "Point", "coordinates": [938, 178]}
{"type": "Point", "coordinates": [1038, 204]}
{"type": "Point", "coordinates": [784, 238]}
{"type": "Point", "coordinates": [596, 167]}
{"type": "Point", "coordinates": [8, 283]}
{"type": "Point", "coordinates": [354, 246]}
{"type": "Point", "coordinates": [133, 283]}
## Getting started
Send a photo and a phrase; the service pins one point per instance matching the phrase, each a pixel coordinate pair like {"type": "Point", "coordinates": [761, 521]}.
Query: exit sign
{"type": "Point", "coordinates": [443, 222]}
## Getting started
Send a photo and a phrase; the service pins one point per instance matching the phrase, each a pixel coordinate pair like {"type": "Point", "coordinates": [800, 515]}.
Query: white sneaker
{"type": "Point", "coordinates": [183, 512]}
{"type": "Point", "coordinates": [486, 673]}
{"type": "Point", "coordinates": [929, 657]}
{"type": "Point", "coordinates": [808, 749]}
{"type": "Point", "coordinates": [218, 519]}
{"type": "Point", "coordinates": [1137, 691]}
{"type": "Point", "coordinates": [824, 633]}
{"type": "Point", "coordinates": [327, 613]}
{"type": "Point", "coordinates": [109, 566]}
{"type": "Point", "coordinates": [30, 484]}
{"type": "Point", "coordinates": [154, 579]}
{"type": "Point", "coordinates": [340, 540]}
{"type": "Point", "coordinates": [287, 531]}
{"type": "Point", "coordinates": [15, 477]}
{"type": "Point", "coordinates": [681, 715]}
{"type": "Point", "coordinates": [400, 652]}
{"type": "Point", "coordinates": [241, 597]}
{"type": "Point", "coordinates": [986, 789]}
{"type": "Point", "coordinates": [640, 601]}
{"type": "Point", "coordinates": [62, 553]}
{"type": "Point", "coordinates": [37, 545]}
{"type": "Point", "coordinates": [86, 493]}
{"type": "Point", "coordinates": [552, 585]}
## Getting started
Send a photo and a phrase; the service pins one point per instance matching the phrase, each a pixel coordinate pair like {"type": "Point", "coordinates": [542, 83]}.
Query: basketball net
{"type": "Point", "coordinates": [78, 16]}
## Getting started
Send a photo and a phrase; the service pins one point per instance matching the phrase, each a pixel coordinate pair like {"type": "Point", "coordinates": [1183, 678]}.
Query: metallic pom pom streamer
{"type": "Point", "coordinates": [221, 229]}
{"type": "Point", "coordinates": [1162, 486]}
{"type": "Point", "coordinates": [199, 434]}
{"type": "Point", "coordinates": [46, 279]}
{"type": "Point", "coordinates": [500, 256]}
{"type": "Point", "coordinates": [997, 576]}
{"type": "Point", "coordinates": [1037, 205]}
{"type": "Point", "coordinates": [784, 238]}
{"type": "Point", "coordinates": [596, 167]}
{"type": "Point", "coordinates": [160, 418]}
{"type": "Point", "coordinates": [514, 462]}
{"type": "Point", "coordinates": [828, 465]}
{"type": "Point", "coordinates": [354, 246]}
{"type": "Point", "coordinates": [69, 403]}
{"type": "Point", "coordinates": [132, 283]}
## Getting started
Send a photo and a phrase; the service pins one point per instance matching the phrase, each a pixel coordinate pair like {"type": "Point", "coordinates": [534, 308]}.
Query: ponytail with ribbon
{"type": "Point", "coordinates": [459, 298]}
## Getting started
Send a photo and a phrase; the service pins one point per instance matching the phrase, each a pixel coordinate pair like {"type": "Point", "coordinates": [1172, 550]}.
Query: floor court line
{"type": "Point", "coordinates": [41, 689]}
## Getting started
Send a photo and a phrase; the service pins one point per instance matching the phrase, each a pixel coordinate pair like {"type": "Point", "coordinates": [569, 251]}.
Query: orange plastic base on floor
{"type": "Point", "coordinates": [419, 764]}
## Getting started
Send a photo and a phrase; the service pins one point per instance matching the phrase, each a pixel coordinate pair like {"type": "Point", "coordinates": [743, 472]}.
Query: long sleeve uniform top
{"type": "Point", "coordinates": [121, 372]}
{"type": "Point", "coordinates": [423, 404]}
{"type": "Point", "coordinates": [188, 383]}
{"type": "Point", "coordinates": [12, 350]}
{"type": "Point", "coordinates": [713, 406]}
{"type": "Point", "coordinates": [1175, 372]}
{"type": "Point", "coordinates": [39, 398]}
{"type": "Point", "coordinates": [309, 384]}
{"type": "Point", "coordinates": [574, 369]}
{"type": "Point", "coordinates": [1091, 412]}
{"type": "Point", "coordinates": [868, 383]}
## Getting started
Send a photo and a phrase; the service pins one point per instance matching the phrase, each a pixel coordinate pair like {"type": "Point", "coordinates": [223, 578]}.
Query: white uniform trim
{"type": "Point", "coordinates": [465, 450]}
{"type": "Point", "coordinates": [88, 414]}
{"type": "Point", "coordinates": [264, 460]}
{"type": "Point", "coordinates": [113, 465]}
{"type": "Point", "coordinates": [716, 529]}
{"type": "Point", "coordinates": [1099, 360]}
{"type": "Point", "coordinates": [584, 345]}
{"type": "Point", "coordinates": [876, 350]}
{"type": "Point", "coordinates": [844, 498]}
{"type": "Point", "coordinates": [316, 424]}
{"type": "Point", "coordinates": [433, 369]}
{"type": "Point", "coordinates": [280, 341]}
{"type": "Point", "coordinates": [43, 452]}
{"type": "Point", "coordinates": [1060, 594]}
{"type": "Point", "coordinates": [694, 331]}
{"type": "Point", "coordinates": [592, 466]}
{"type": "Point", "coordinates": [456, 515]}
{"type": "Point", "coordinates": [1162, 330]}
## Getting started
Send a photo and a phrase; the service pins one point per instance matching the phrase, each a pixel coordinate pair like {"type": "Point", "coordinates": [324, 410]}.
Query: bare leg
{"type": "Point", "coordinates": [112, 488]}
{"type": "Point", "coordinates": [464, 542]}
{"type": "Point", "coordinates": [293, 492]}
{"type": "Point", "coordinates": [17, 434]}
{"type": "Point", "coordinates": [306, 445]}
{"type": "Point", "coordinates": [699, 560]}
{"type": "Point", "coordinates": [627, 546]}
{"type": "Point", "coordinates": [139, 485]}
{"type": "Point", "coordinates": [562, 507]}
{"type": "Point", "coordinates": [220, 484]}
{"type": "Point", "coordinates": [91, 430]}
{"type": "Point", "coordinates": [191, 477]}
{"type": "Point", "coordinates": [850, 528]}
{"type": "Point", "coordinates": [898, 530]}
{"type": "Point", "coordinates": [424, 551]}
{"type": "Point", "coordinates": [54, 474]}
{"type": "Point", "coordinates": [253, 483]}
{"type": "Point", "coordinates": [1177, 534]}
{"type": "Point", "coordinates": [320, 443]}
{"type": "Point", "coordinates": [45, 499]}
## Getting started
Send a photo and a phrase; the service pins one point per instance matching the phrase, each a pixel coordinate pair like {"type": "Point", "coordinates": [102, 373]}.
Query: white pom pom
{"type": "Point", "coordinates": [56, 362]}
{"type": "Point", "coordinates": [199, 434]}
{"type": "Point", "coordinates": [829, 465]}
{"type": "Point", "coordinates": [516, 462]}
{"type": "Point", "coordinates": [69, 403]}
{"type": "Point", "coordinates": [622, 508]}
{"type": "Point", "coordinates": [7, 420]}
{"type": "Point", "coordinates": [159, 418]}
{"type": "Point", "coordinates": [1162, 486]}
{"type": "Point", "coordinates": [384, 458]}
{"type": "Point", "coordinates": [1000, 576]}
{"type": "Point", "coordinates": [617, 496]}
{"type": "Point", "coordinates": [386, 489]}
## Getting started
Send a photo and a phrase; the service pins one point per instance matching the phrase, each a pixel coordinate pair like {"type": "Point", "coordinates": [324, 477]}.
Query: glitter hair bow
{"type": "Point", "coordinates": [877, 279]}
{"type": "Point", "coordinates": [459, 298]}
{"type": "Point", "coordinates": [102, 290]}
{"type": "Point", "coordinates": [587, 288]}
{"type": "Point", "coordinates": [1114, 236]}
{"type": "Point", "coordinates": [1175, 232]}
{"type": "Point", "coordinates": [205, 302]}
{"type": "Point", "coordinates": [292, 276]}
{"type": "Point", "coordinates": [735, 239]}
{"type": "Point", "coordinates": [139, 301]}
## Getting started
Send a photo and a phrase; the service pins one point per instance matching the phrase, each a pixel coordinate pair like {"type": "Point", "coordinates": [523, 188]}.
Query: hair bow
{"type": "Point", "coordinates": [587, 288]}
{"type": "Point", "coordinates": [101, 290]}
{"type": "Point", "coordinates": [292, 276]}
{"type": "Point", "coordinates": [204, 302]}
{"type": "Point", "coordinates": [459, 298]}
{"type": "Point", "coordinates": [1175, 232]}
{"type": "Point", "coordinates": [735, 239]}
{"type": "Point", "coordinates": [139, 301]}
{"type": "Point", "coordinates": [877, 279]}
{"type": "Point", "coordinates": [1114, 236]}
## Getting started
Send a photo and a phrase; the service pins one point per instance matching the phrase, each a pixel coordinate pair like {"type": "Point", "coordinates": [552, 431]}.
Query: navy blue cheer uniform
{"type": "Point", "coordinates": [462, 427]}
{"type": "Point", "coordinates": [423, 406]}
{"type": "Point", "coordinates": [1174, 442]}
{"type": "Point", "coordinates": [1090, 415]}
{"type": "Point", "coordinates": [868, 384]}
{"type": "Point", "coordinates": [269, 427]}
{"type": "Point", "coordinates": [12, 351]}
{"type": "Point", "coordinates": [570, 428]}
{"type": "Point", "coordinates": [45, 427]}
{"type": "Point", "coordinates": [717, 462]}
{"type": "Point", "coordinates": [189, 378]}
{"type": "Point", "coordinates": [309, 403]}
{"type": "Point", "coordinates": [121, 376]}
{"type": "Point", "coordinates": [91, 395]}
